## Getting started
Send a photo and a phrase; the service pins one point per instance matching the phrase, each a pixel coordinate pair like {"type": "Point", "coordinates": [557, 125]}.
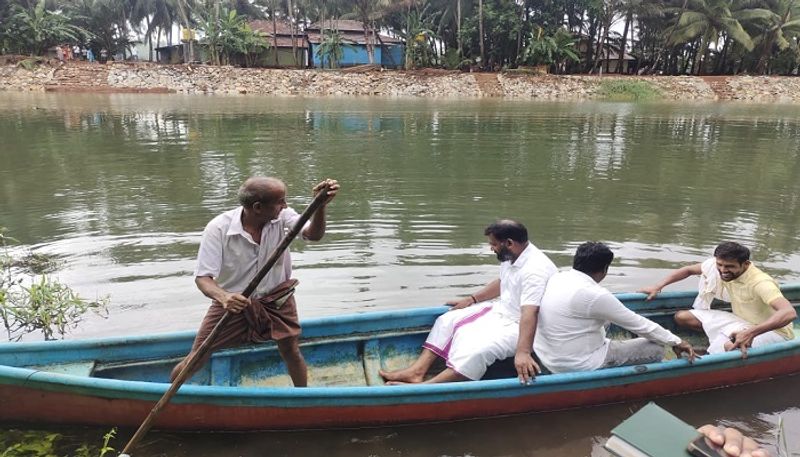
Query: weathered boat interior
{"type": "Point", "coordinates": [345, 359]}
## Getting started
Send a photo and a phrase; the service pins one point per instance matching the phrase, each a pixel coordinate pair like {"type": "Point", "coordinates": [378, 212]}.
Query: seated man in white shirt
{"type": "Point", "coordinates": [575, 310]}
{"type": "Point", "coordinates": [478, 331]}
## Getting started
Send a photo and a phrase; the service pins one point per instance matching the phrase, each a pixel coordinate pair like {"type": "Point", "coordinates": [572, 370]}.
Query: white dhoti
{"type": "Point", "coordinates": [470, 339]}
{"type": "Point", "coordinates": [719, 325]}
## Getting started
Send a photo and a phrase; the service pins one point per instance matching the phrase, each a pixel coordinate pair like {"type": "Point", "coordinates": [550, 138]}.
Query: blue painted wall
{"type": "Point", "coordinates": [393, 56]}
{"type": "Point", "coordinates": [357, 55]}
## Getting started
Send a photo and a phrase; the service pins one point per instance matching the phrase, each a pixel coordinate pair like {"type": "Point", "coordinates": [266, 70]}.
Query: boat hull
{"type": "Point", "coordinates": [116, 382]}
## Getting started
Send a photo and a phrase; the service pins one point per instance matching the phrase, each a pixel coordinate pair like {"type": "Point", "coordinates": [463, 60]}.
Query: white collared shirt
{"type": "Point", "coordinates": [523, 282]}
{"type": "Point", "coordinates": [571, 334]}
{"type": "Point", "coordinates": [230, 255]}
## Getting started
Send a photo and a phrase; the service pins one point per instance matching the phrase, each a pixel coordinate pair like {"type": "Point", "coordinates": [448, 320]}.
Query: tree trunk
{"type": "Point", "coordinates": [633, 31]}
{"type": "Point", "coordinates": [592, 30]}
{"type": "Point", "coordinates": [601, 46]}
{"type": "Point", "coordinates": [274, 14]}
{"type": "Point", "coordinates": [368, 44]}
{"type": "Point", "coordinates": [290, 11]}
{"type": "Point", "coordinates": [691, 59]}
{"type": "Point", "coordinates": [458, 30]}
{"type": "Point", "coordinates": [480, 32]}
{"type": "Point", "coordinates": [322, 34]}
{"type": "Point", "coordinates": [623, 46]}
{"type": "Point", "coordinates": [158, 39]}
{"type": "Point", "coordinates": [409, 40]}
{"type": "Point", "coordinates": [519, 35]}
{"type": "Point", "coordinates": [705, 46]}
{"type": "Point", "coordinates": [149, 37]}
{"type": "Point", "coordinates": [723, 57]}
{"type": "Point", "coordinates": [669, 37]}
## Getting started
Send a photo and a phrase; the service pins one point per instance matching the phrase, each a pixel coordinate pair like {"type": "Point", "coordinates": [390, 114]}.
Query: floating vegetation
{"type": "Point", "coordinates": [47, 306]}
{"type": "Point", "coordinates": [38, 303]}
{"type": "Point", "coordinates": [37, 263]}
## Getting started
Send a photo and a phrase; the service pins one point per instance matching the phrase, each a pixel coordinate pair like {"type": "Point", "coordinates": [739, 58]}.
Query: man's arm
{"type": "Point", "coordinates": [488, 292]}
{"type": "Point", "coordinates": [677, 275]}
{"type": "Point", "coordinates": [232, 302]}
{"type": "Point", "coordinates": [608, 307]}
{"type": "Point", "coordinates": [315, 230]}
{"type": "Point", "coordinates": [527, 368]}
{"type": "Point", "coordinates": [784, 314]}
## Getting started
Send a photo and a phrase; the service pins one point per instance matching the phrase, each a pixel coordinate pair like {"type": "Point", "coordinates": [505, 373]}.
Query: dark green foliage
{"type": "Point", "coordinates": [664, 36]}
{"type": "Point", "coordinates": [34, 443]}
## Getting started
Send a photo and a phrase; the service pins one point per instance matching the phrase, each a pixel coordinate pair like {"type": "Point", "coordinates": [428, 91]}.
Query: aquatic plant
{"type": "Point", "coordinates": [30, 304]}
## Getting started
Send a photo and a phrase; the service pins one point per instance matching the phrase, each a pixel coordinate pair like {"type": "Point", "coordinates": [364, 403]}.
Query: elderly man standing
{"type": "Point", "coordinates": [475, 332]}
{"type": "Point", "coordinates": [761, 314]}
{"type": "Point", "coordinates": [233, 248]}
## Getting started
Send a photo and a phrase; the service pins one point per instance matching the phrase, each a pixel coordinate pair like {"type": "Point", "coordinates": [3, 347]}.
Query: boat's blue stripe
{"type": "Point", "coordinates": [387, 395]}
{"type": "Point", "coordinates": [14, 355]}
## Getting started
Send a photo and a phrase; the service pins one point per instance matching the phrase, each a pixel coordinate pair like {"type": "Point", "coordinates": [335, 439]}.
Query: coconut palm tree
{"type": "Point", "coordinates": [784, 24]}
{"type": "Point", "coordinates": [367, 11]}
{"type": "Point", "coordinates": [707, 19]}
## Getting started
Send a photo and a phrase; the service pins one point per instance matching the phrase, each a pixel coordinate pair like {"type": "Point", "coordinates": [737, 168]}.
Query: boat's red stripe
{"type": "Point", "coordinates": [22, 404]}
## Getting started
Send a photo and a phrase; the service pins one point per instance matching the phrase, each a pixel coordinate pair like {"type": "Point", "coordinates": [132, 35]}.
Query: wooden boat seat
{"type": "Point", "coordinates": [83, 368]}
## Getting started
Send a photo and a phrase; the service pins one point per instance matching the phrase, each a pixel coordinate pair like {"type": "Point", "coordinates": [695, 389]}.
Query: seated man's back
{"type": "Point", "coordinates": [571, 334]}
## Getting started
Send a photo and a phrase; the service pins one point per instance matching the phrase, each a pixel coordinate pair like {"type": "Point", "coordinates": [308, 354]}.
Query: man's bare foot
{"type": "Point", "coordinates": [398, 383]}
{"type": "Point", "coordinates": [404, 376]}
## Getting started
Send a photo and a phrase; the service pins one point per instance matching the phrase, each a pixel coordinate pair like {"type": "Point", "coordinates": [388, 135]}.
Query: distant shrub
{"type": "Point", "coordinates": [620, 89]}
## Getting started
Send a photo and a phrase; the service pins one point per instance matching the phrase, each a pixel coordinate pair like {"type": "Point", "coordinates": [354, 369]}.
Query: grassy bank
{"type": "Point", "coordinates": [625, 90]}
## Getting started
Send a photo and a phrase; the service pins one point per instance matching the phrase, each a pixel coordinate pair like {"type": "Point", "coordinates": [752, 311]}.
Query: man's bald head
{"type": "Point", "coordinates": [508, 229]}
{"type": "Point", "coordinates": [260, 189]}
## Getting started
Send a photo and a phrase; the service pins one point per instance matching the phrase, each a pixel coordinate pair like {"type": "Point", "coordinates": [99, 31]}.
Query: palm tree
{"type": "Point", "coordinates": [157, 15]}
{"type": "Point", "coordinates": [367, 11]}
{"type": "Point", "coordinates": [103, 19]}
{"type": "Point", "coordinates": [707, 19]}
{"type": "Point", "coordinates": [607, 12]}
{"type": "Point", "coordinates": [785, 23]}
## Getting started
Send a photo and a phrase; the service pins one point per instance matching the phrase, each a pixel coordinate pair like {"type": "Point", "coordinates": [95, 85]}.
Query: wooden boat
{"type": "Point", "coordinates": [116, 381]}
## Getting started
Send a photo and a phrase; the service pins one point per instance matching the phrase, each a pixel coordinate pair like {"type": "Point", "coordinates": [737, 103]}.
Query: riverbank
{"type": "Point", "coordinates": [203, 79]}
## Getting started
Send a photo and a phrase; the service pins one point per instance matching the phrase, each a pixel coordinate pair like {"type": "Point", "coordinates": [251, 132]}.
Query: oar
{"type": "Point", "coordinates": [197, 356]}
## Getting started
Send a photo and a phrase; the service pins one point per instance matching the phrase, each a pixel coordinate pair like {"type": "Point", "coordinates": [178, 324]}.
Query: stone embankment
{"type": "Point", "coordinates": [203, 79]}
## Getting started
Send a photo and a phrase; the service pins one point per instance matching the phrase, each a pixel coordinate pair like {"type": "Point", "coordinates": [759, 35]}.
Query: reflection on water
{"type": "Point", "coordinates": [120, 187]}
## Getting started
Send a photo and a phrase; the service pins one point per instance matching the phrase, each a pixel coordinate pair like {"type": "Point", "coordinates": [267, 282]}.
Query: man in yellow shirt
{"type": "Point", "coordinates": [761, 314]}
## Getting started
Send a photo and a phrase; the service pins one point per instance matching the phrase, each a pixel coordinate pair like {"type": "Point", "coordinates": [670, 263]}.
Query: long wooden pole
{"type": "Point", "coordinates": [197, 356]}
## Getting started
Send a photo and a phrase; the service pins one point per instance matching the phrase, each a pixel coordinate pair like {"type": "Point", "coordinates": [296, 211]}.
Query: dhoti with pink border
{"type": "Point", "coordinates": [472, 338]}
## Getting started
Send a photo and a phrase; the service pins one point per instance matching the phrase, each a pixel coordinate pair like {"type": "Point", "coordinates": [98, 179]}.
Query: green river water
{"type": "Point", "coordinates": [119, 187]}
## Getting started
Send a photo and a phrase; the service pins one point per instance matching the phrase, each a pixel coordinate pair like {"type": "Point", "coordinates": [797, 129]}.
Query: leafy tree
{"type": "Point", "coordinates": [37, 29]}
{"type": "Point", "coordinates": [552, 50]}
{"type": "Point", "coordinates": [251, 45]}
